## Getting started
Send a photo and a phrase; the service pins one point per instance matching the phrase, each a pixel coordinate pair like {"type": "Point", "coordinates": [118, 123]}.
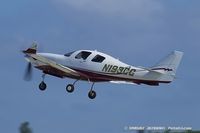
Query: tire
{"type": "Point", "coordinates": [42, 86]}
{"type": "Point", "coordinates": [92, 94]}
{"type": "Point", "coordinates": [70, 88]}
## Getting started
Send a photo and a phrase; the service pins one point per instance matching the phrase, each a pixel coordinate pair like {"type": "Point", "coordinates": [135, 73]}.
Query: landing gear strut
{"type": "Point", "coordinates": [70, 87]}
{"type": "Point", "coordinates": [42, 85]}
{"type": "Point", "coordinates": [92, 93]}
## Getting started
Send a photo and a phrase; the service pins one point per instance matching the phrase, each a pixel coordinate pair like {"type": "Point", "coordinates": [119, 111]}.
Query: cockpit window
{"type": "Point", "coordinates": [83, 55]}
{"type": "Point", "coordinates": [69, 54]}
{"type": "Point", "coordinates": [98, 58]}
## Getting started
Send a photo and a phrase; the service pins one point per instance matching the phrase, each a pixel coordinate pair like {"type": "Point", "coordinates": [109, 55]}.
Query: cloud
{"type": "Point", "coordinates": [130, 8]}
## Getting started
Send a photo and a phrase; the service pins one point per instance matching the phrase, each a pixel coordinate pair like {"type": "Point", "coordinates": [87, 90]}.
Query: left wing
{"type": "Point", "coordinates": [42, 62]}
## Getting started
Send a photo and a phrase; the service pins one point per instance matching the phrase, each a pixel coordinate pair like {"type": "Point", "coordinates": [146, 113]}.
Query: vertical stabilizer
{"type": "Point", "coordinates": [170, 63]}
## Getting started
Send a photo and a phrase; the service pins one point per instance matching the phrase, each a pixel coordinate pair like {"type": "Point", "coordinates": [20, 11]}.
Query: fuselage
{"type": "Point", "coordinates": [94, 66]}
{"type": "Point", "coordinates": [97, 67]}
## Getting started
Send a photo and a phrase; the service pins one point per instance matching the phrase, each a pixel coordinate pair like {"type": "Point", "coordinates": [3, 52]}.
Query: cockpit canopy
{"type": "Point", "coordinates": [98, 58]}
{"type": "Point", "coordinates": [85, 54]}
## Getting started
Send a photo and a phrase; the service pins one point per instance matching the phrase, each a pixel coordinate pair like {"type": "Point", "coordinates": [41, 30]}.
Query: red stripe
{"type": "Point", "coordinates": [95, 77]}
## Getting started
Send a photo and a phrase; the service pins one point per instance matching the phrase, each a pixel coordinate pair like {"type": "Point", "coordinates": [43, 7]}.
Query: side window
{"type": "Point", "coordinates": [98, 58]}
{"type": "Point", "coordinates": [83, 55]}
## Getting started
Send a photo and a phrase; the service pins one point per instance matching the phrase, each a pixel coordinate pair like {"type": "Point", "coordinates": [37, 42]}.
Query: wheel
{"type": "Point", "coordinates": [92, 94]}
{"type": "Point", "coordinates": [42, 86]}
{"type": "Point", "coordinates": [70, 88]}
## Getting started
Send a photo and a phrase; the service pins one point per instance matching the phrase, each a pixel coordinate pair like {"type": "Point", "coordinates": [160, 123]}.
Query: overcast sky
{"type": "Point", "coordinates": [138, 32]}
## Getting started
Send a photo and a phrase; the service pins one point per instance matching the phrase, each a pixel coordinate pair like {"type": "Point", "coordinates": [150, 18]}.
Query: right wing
{"type": "Point", "coordinates": [122, 82]}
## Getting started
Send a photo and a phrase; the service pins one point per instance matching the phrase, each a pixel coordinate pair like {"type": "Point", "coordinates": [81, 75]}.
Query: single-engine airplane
{"type": "Point", "coordinates": [94, 66]}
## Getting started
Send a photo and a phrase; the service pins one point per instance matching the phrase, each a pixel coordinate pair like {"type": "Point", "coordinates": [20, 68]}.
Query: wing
{"type": "Point", "coordinates": [53, 68]}
{"type": "Point", "coordinates": [122, 82]}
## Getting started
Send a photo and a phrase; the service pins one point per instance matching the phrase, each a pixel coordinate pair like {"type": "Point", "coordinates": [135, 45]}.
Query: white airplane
{"type": "Point", "coordinates": [94, 66]}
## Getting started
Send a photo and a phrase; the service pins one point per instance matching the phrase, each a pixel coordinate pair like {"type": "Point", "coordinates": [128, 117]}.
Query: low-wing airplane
{"type": "Point", "coordinates": [94, 66]}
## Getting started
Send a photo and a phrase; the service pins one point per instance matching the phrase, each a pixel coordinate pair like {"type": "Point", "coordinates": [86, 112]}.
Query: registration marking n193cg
{"type": "Point", "coordinates": [118, 70]}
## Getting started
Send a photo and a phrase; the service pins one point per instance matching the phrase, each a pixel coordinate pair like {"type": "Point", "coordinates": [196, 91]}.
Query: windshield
{"type": "Point", "coordinates": [69, 54]}
{"type": "Point", "coordinates": [83, 55]}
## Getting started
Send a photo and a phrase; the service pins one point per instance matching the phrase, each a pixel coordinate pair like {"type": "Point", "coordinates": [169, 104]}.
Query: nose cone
{"type": "Point", "coordinates": [29, 51]}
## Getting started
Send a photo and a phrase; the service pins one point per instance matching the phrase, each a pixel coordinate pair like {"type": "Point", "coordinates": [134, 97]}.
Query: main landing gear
{"type": "Point", "coordinates": [69, 88]}
{"type": "Point", "coordinates": [42, 85]}
{"type": "Point", "coordinates": [91, 93]}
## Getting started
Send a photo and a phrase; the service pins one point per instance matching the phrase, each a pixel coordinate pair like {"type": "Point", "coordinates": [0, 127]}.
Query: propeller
{"type": "Point", "coordinates": [28, 72]}
{"type": "Point", "coordinates": [30, 50]}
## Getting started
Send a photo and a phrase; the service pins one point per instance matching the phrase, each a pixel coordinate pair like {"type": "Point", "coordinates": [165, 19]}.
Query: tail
{"type": "Point", "coordinates": [31, 50]}
{"type": "Point", "coordinates": [169, 65]}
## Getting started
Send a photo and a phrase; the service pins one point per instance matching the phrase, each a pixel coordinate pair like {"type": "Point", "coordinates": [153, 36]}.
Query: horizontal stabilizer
{"type": "Point", "coordinates": [151, 70]}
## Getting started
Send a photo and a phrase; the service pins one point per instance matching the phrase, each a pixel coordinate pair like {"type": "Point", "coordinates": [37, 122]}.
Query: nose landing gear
{"type": "Point", "coordinates": [42, 85]}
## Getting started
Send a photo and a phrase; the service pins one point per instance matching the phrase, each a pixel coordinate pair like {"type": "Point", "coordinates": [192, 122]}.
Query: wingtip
{"type": "Point", "coordinates": [178, 52]}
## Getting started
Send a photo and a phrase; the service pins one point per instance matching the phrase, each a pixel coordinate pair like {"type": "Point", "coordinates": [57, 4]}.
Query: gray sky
{"type": "Point", "coordinates": [138, 32]}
